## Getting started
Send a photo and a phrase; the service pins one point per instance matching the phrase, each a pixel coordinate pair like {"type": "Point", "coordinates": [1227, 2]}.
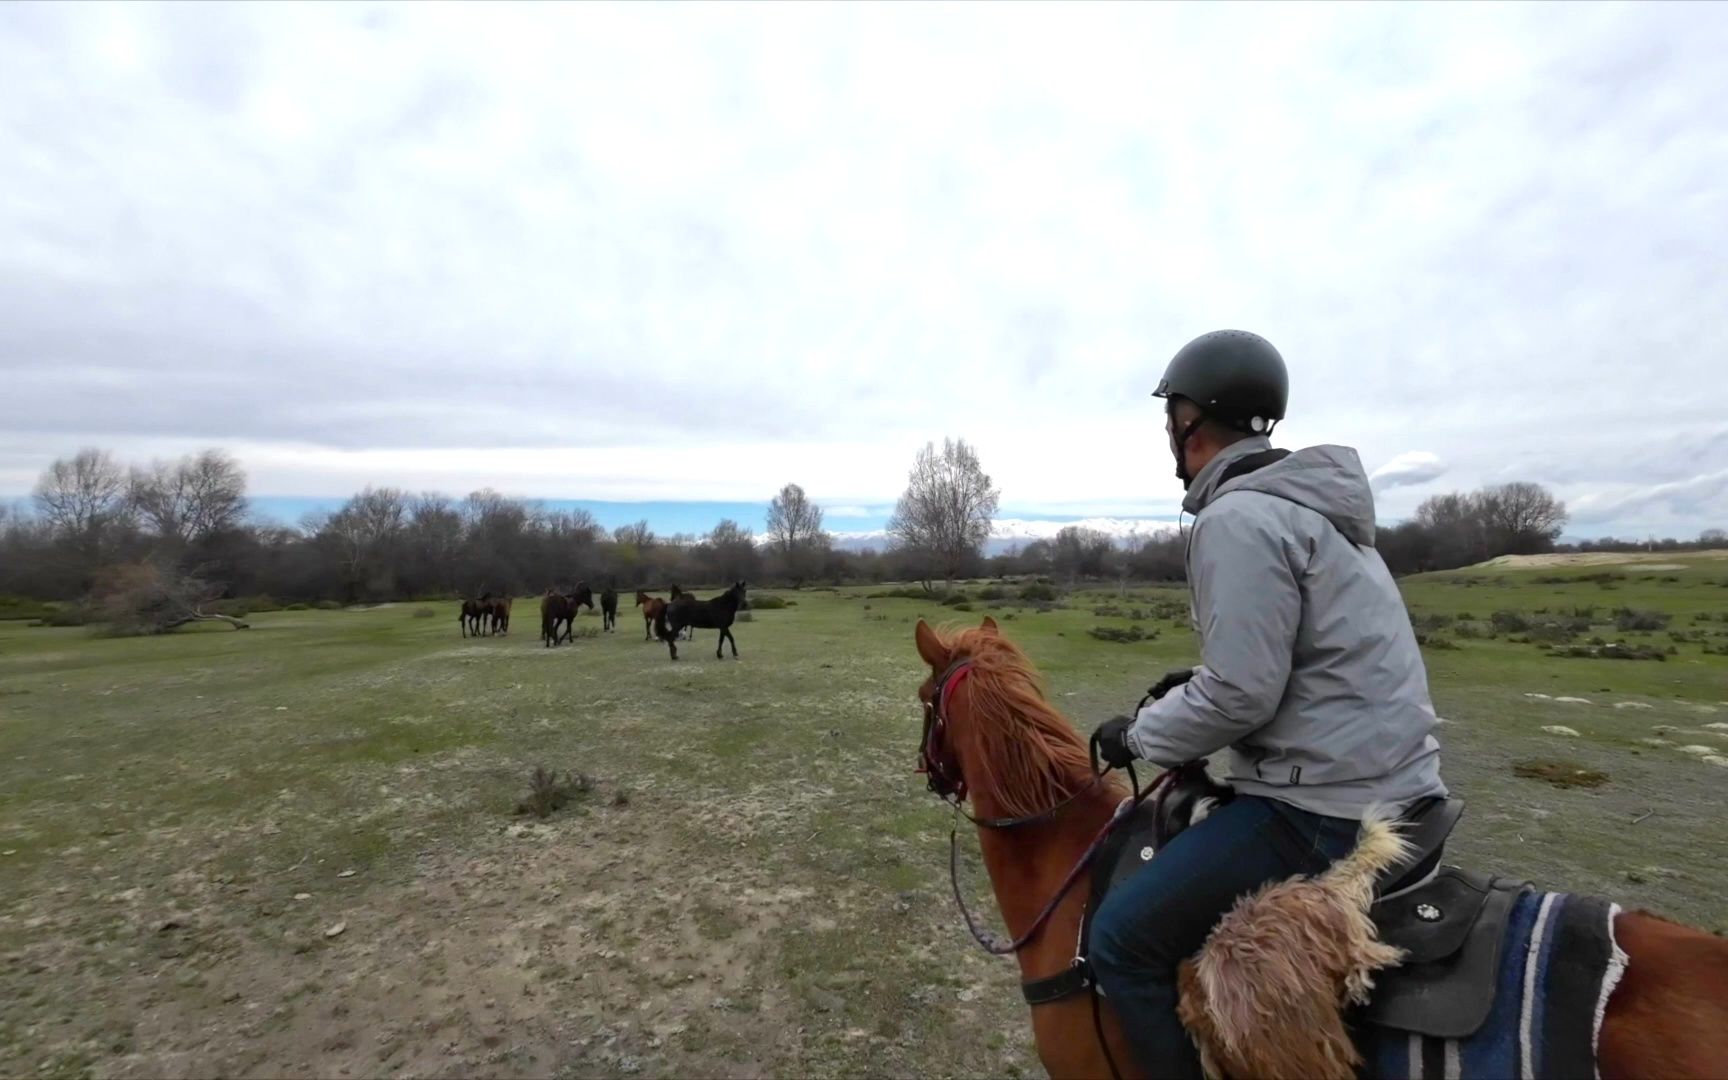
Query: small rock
{"type": "Point", "coordinates": [281, 708]}
{"type": "Point", "coordinates": [1715, 759]}
{"type": "Point", "coordinates": [968, 994]}
{"type": "Point", "coordinates": [1699, 751]}
{"type": "Point", "coordinates": [1560, 729]}
{"type": "Point", "coordinates": [302, 896]}
{"type": "Point", "coordinates": [346, 873]}
{"type": "Point", "coordinates": [1633, 705]}
{"type": "Point", "coordinates": [169, 924]}
{"type": "Point", "coordinates": [9, 851]}
{"type": "Point", "coordinates": [336, 930]}
{"type": "Point", "coordinates": [1540, 697]}
{"type": "Point", "coordinates": [1573, 700]}
{"type": "Point", "coordinates": [1713, 727]}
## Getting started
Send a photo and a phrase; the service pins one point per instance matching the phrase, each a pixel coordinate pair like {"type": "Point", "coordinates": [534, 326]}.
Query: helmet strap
{"type": "Point", "coordinates": [1179, 444]}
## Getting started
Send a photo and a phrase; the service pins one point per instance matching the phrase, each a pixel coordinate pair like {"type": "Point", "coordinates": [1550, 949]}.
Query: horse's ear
{"type": "Point", "coordinates": [930, 647]}
{"type": "Point", "coordinates": [990, 626]}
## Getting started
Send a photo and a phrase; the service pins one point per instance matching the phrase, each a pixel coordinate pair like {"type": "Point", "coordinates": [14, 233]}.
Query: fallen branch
{"type": "Point", "coordinates": [199, 616]}
{"type": "Point", "coordinates": [1641, 817]}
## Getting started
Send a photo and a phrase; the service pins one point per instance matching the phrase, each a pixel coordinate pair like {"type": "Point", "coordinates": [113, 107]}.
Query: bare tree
{"type": "Point", "coordinates": [1520, 518]}
{"type": "Point", "coordinates": [946, 510]}
{"type": "Point", "coordinates": [191, 499]}
{"type": "Point", "coordinates": [362, 533]}
{"type": "Point", "coordinates": [795, 531]}
{"type": "Point", "coordinates": [731, 551]}
{"type": "Point", "coordinates": [636, 535]}
{"type": "Point", "coordinates": [1080, 552]}
{"type": "Point", "coordinates": [83, 500]}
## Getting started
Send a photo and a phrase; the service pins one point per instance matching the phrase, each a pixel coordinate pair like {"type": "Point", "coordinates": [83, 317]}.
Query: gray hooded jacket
{"type": "Point", "coordinates": [1309, 672]}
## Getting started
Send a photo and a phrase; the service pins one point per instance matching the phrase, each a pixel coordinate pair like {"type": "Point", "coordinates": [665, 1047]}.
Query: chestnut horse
{"type": "Point", "coordinates": [501, 615]}
{"type": "Point", "coordinates": [651, 607]}
{"type": "Point", "coordinates": [1014, 756]}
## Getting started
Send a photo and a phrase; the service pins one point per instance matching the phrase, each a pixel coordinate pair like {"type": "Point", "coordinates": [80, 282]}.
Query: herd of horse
{"type": "Point", "coordinates": [668, 618]}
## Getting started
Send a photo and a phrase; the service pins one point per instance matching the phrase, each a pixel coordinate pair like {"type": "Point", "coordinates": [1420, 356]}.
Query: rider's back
{"type": "Point", "coordinates": [1354, 725]}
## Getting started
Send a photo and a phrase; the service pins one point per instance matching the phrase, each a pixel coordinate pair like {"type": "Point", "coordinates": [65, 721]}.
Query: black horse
{"type": "Point", "coordinates": [715, 614]}
{"type": "Point", "coordinates": [474, 615]}
{"type": "Point", "coordinates": [559, 609]}
{"type": "Point", "coordinates": [608, 609]}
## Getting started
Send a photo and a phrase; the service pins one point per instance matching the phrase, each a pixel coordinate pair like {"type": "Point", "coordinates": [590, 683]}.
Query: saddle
{"type": "Point", "coordinates": [1449, 922]}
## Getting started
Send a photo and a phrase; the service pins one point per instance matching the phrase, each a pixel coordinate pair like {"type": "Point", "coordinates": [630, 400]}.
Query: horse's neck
{"type": "Point", "coordinates": [1028, 864]}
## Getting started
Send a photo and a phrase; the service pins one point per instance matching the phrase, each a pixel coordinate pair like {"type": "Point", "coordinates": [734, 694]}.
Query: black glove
{"type": "Point", "coordinates": [1169, 682]}
{"type": "Point", "coordinates": [1112, 741]}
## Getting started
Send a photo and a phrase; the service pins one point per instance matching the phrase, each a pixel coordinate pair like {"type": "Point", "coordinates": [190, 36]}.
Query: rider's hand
{"type": "Point", "coordinates": [1112, 739]}
{"type": "Point", "coordinates": [1170, 681]}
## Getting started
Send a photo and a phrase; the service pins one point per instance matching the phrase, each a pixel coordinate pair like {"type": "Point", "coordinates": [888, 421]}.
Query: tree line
{"type": "Point", "coordinates": [91, 514]}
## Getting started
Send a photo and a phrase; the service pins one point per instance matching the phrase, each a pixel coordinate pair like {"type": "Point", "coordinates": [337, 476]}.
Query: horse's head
{"type": "Point", "coordinates": [582, 595]}
{"type": "Point", "coordinates": [737, 590]}
{"type": "Point", "coordinates": [642, 598]}
{"type": "Point", "coordinates": [987, 726]}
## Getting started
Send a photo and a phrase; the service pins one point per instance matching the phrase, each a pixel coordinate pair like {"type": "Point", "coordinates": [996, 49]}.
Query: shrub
{"type": "Point", "coordinates": [70, 615]}
{"type": "Point", "coordinates": [1626, 619]}
{"type": "Point", "coordinates": [768, 602]}
{"type": "Point", "coordinates": [297, 607]}
{"type": "Point", "coordinates": [992, 592]}
{"type": "Point", "coordinates": [425, 613]}
{"type": "Point", "coordinates": [1430, 620]}
{"type": "Point", "coordinates": [1469, 631]}
{"type": "Point", "coordinates": [547, 793]}
{"type": "Point", "coordinates": [1124, 636]}
{"type": "Point", "coordinates": [955, 599]}
{"type": "Point", "coordinates": [17, 607]}
{"type": "Point", "coordinates": [1039, 592]}
{"type": "Point", "coordinates": [961, 606]}
{"type": "Point", "coordinates": [1586, 612]}
{"type": "Point", "coordinates": [1509, 622]}
{"type": "Point", "coordinates": [1107, 611]}
{"type": "Point", "coordinates": [1565, 774]}
{"type": "Point", "coordinates": [327, 605]}
{"type": "Point", "coordinates": [1435, 641]}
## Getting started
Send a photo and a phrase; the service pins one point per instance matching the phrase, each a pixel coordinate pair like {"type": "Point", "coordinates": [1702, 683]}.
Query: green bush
{"type": "Point", "coordinates": [768, 602]}
{"type": "Point", "coordinates": [70, 615]}
{"type": "Point", "coordinates": [957, 598]}
{"type": "Point", "coordinates": [327, 605]}
{"type": "Point", "coordinates": [1611, 651]}
{"type": "Point", "coordinates": [17, 607]}
{"type": "Point", "coordinates": [992, 592]}
{"type": "Point", "coordinates": [1626, 619]}
{"type": "Point", "coordinates": [425, 613]}
{"type": "Point", "coordinates": [298, 607]}
{"type": "Point", "coordinates": [1509, 622]}
{"type": "Point", "coordinates": [1039, 592]}
{"type": "Point", "coordinates": [1120, 635]}
{"type": "Point", "coordinates": [1435, 641]}
{"type": "Point", "coordinates": [961, 606]}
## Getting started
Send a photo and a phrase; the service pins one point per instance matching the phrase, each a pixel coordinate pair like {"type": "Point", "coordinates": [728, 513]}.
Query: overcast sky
{"type": "Point", "coordinates": [692, 252]}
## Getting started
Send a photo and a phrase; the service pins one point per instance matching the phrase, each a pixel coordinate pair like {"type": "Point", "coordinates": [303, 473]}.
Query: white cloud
{"type": "Point", "coordinates": [699, 251]}
{"type": "Point", "coordinates": [1409, 469]}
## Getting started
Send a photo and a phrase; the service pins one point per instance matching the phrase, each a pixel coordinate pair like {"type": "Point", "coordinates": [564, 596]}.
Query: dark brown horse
{"type": "Point", "coordinates": [716, 614]}
{"type": "Point", "coordinates": [559, 610]}
{"type": "Point", "coordinates": [1015, 756]}
{"type": "Point", "coordinates": [474, 614]}
{"type": "Point", "coordinates": [608, 609]}
{"type": "Point", "coordinates": [501, 615]}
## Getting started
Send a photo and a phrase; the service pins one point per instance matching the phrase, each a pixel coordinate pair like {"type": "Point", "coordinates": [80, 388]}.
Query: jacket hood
{"type": "Point", "coordinates": [1328, 480]}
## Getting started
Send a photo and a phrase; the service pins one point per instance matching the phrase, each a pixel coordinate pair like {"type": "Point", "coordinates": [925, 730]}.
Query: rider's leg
{"type": "Point", "coordinates": [1153, 921]}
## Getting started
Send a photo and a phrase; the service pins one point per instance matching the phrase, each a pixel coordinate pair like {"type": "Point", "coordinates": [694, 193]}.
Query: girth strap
{"type": "Point", "coordinates": [1052, 988]}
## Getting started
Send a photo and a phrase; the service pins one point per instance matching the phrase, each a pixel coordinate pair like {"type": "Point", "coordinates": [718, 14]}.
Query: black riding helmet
{"type": "Point", "coordinates": [1235, 377]}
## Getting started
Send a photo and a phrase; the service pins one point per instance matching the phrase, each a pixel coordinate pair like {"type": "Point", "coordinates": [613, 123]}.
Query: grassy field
{"type": "Point", "coordinates": [293, 851]}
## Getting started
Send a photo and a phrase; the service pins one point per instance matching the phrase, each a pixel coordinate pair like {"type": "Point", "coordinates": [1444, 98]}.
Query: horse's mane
{"type": "Point", "coordinates": [1019, 749]}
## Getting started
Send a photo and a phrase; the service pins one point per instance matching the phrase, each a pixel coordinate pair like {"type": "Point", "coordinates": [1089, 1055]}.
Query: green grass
{"type": "Point", "coordinates": [224, 772]}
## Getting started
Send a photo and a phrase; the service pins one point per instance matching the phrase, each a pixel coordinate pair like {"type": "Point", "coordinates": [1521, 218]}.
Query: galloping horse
{"type": "Point", "coordinates": [559, 609]}
{"type": "Point", "coordinates": [992, 738]}
{"type": "Point", "coordinates": [608, 609]}
{"type": "Point", "coordinates": [715, 614]}
{"type": "Point", "coordinates": [501, 615]}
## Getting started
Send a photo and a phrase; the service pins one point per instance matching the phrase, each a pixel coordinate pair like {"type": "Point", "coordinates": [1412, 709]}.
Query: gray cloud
{"type": "Point", "coordinates": [685, 252]}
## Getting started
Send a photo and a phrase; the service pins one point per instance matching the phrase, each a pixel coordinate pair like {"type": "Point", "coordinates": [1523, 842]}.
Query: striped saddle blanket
{"type": "Point", "coordinates": [1558, 964]}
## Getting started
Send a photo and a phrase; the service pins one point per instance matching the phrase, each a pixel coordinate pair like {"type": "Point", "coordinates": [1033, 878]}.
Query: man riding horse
{"type": "Point", "coordinates": [1310, 675]}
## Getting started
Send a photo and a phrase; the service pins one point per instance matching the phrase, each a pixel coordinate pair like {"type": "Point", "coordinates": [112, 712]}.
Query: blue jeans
{"type": "Point", "coordinates": [1159, 917]}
